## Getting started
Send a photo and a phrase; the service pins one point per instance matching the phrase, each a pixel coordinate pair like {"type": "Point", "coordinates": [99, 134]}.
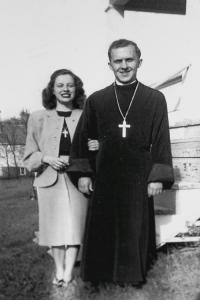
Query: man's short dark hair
{"type": "Point", "coordinates": [123, 43]}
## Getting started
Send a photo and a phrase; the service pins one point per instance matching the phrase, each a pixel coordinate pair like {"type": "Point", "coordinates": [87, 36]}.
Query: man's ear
{"type": "Point", "coordinates": [110, 66]}
{"type": "Point", "coordinates": [140, 62]}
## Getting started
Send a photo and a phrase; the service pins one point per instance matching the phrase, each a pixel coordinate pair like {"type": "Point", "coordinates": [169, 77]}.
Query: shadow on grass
{"type": "Point", "coordinates": [26, 270]}
{"type": "Point", "coordinates": [25, 273]}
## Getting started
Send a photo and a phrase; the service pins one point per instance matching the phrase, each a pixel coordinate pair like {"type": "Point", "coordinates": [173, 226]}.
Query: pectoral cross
{"type": "Point", "coordinates": [124, 126]}
{"type": "Point", "coordinates": [65, 133]}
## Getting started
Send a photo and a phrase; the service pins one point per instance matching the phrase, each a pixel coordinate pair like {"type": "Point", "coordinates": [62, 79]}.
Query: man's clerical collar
{"type": "Point", "coordinates": [124, 84]}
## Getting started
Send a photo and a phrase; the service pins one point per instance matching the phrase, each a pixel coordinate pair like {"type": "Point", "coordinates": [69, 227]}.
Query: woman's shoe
{"type": "Point", "coordinates": [66, 283]}
{"type": "Point", "coordinates": [58, 282]}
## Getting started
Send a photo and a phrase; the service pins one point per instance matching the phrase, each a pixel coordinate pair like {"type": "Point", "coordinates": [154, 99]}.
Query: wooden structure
{"type": "Point", "coordinates": [181, 205]}
{"type": "Point", "coordinates": [169, 6]}
{"type": "Point", "coordinates": [8, 166]}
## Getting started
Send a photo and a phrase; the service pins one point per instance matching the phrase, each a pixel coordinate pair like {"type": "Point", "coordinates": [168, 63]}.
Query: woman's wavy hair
{"type": "Point", "coordinates": [49, 99]}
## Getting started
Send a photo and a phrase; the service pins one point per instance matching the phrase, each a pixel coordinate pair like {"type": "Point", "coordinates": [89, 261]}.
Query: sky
{"type": "Point", "coordinates": [40, 36]}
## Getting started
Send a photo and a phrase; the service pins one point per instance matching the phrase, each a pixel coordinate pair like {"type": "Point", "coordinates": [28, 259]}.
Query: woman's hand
{"type": "Point", "coordinates": [93, 145]}
{"type": "Point", "coordinates": [57, 163]}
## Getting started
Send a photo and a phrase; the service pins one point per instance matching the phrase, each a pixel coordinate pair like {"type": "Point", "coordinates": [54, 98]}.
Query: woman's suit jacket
{"type": "Point", "coordinates": [43, 138]}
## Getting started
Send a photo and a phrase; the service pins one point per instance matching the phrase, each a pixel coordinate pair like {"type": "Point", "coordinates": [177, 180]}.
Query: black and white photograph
{"type": "Point", "coordinates": [99, 150]}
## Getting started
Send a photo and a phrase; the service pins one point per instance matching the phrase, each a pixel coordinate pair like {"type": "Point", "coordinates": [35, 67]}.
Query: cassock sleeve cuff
{"type": "Point", "coordinates": [162, 173]}
{"type": "Point", "coordinates": [80, 165]}
{"type": "Point", "coordinates": [79, 168]}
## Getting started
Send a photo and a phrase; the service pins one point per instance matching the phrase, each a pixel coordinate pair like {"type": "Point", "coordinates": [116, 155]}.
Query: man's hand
{"type": "Point", "coordinates": [85, 185]}
{"type": "Point", "coordinates": [154, 188]}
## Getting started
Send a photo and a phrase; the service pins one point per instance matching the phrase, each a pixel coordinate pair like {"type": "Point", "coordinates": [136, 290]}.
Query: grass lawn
{"type": "Point", "coordinates": [26, 269]}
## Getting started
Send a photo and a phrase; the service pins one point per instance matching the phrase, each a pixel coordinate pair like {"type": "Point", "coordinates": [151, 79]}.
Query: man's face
{"type": "Point", "coordinates": [124, 63]}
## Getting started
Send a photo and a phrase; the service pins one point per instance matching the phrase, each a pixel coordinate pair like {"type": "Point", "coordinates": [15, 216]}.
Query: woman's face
{"type": "Point", "coordinates": [64, 89]}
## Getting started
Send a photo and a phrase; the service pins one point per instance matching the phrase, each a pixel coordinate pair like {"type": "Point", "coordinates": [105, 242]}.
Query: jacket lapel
{"type": "Point", "coordinates": [54, 125]}
{"type": "Point", "coordinates": [72, 121]}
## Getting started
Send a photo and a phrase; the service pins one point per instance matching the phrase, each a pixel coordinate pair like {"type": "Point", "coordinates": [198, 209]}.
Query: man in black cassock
{"type": "Point", "coordinates": [132, 165]}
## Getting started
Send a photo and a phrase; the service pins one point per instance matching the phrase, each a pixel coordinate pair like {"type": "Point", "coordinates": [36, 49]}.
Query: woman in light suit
{"type": "Point", "coordinates": [62, 208]}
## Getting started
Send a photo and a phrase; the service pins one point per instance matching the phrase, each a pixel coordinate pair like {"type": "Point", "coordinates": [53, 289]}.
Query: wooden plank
{"type": "Point", "coordinates": [186, 149]}
{"type": "Point", "coordinates": [185, 144]}
{"type": "Point", "coordinates": [118, 2]}
{"type": "Point", "coordinates": [164, 6]}
{"type": "Point", "coordinates": [187, 169]}
{"type": "Point", "coordinates": [186, 132]}
{"type": "Point", "coordinates": [186, 239]}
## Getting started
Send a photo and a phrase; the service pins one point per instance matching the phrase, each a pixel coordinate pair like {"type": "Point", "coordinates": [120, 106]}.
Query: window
{"type": "Point", "coordinates": [22, 171]}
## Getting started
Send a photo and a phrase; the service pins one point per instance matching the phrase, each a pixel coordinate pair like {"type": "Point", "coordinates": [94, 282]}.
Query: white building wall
{"type": "Point", "coordinates": [42, 36]}
{"type": "Point", "coordinates": [168, 42]}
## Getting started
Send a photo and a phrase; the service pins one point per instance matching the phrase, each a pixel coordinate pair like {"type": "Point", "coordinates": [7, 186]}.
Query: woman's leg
{"type": "Point", "coordinates": [58, 254]}
{"type": "Point", "coordinates": [71, 254]}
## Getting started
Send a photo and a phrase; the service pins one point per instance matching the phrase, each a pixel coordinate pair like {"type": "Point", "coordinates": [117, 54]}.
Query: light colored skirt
{"type": "Point", "coordinates": [62, 213]}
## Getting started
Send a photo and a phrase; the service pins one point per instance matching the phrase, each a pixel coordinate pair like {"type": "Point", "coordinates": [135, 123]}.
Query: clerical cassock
{"type": "Point", "coordinates": [131, 124]}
